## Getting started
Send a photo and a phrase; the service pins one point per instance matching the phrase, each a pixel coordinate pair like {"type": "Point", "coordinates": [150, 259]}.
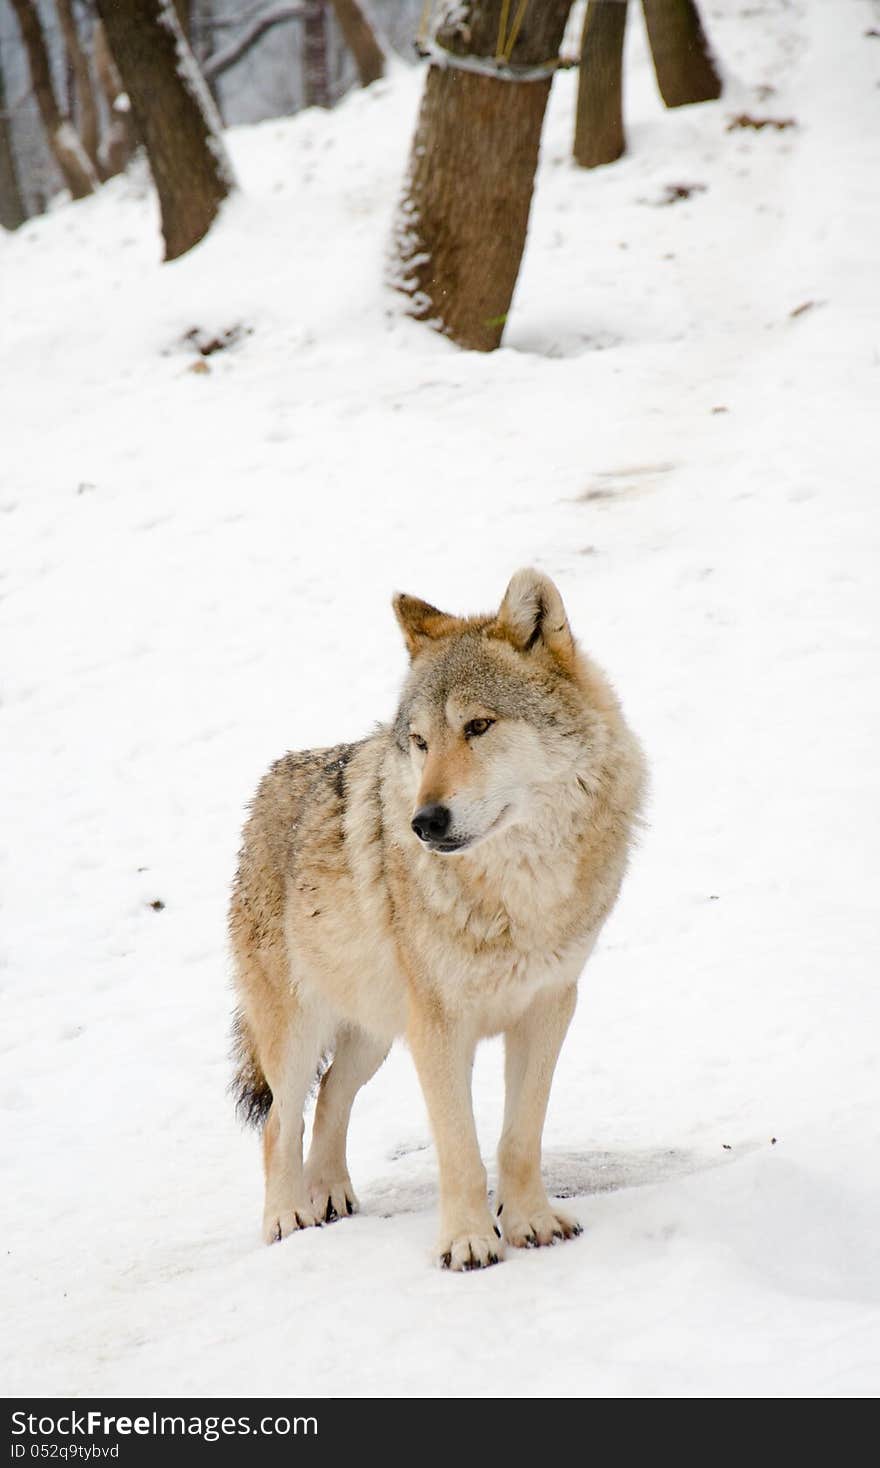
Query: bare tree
{"type": "Point", "coordinates": [463, 219]}
{"type": "Point", "coordinates": [12, 210]}
{"type": "Point", "coordinates": [173, 114]}
{"type": "Point", "coordinates": [361, 40]}
{"type": "Point", "coordinates": [118, 142]}
{"type": "Point", "coordinates": [599, 136]}
{"type": "Point", "coordinates": [87, 116]}
{"type": "Point", "coordinates": [69, 154]}
{"type": "Point", "coordinates": [356, 30]}
{"type": "Point", "coordinates": [316, 72]}
{"type": "Point", "coordinates": [221, 60]}
{"type": "Point", "coordinates": [683, 60]}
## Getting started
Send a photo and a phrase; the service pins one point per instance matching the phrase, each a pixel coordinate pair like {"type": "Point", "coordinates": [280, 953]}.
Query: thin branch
{"type": "Point", "coordinates": [221, 61]}
{"type": "Point", "coordinates": [231, 22]}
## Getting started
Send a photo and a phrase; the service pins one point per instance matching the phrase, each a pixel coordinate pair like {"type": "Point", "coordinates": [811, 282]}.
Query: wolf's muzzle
{"type": "Point", "coordinates": [431, 823]}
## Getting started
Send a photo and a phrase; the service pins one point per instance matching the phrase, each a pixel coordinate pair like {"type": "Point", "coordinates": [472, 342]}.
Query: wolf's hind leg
{"type": "Point", "coordinates": [357, 1058]}
{"type": "Point", "coordinates": [531, 1049]}
{"type": "Point", "coordinates": [290, 1070]}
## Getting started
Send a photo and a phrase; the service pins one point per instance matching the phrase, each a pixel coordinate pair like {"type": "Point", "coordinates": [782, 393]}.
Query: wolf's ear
{"type": "Point", "coordinates": [532, 613]}
{"type": "Point", "coordinates": [420, 623]}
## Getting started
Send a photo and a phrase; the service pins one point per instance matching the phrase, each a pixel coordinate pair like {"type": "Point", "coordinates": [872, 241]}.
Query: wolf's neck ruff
{"type": "Point", "coordinates": [508, 886]}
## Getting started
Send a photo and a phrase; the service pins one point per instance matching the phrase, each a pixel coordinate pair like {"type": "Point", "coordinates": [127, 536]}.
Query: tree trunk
{"type": "Point", "coordinates": [598, 135]}
{"type": "Point", "coordinates": [465, 211]}
{"type": "Point", "coordinates": [173, 114]}
{"type": "Point", "coordinates": [119, 140]}
{"type": "Point", "coordinates": [68, 91]}
{"type": "Point", "coordinates": [683, 60]}
{"type": "Point", "coordinates": [12, 210]}
{"type": "Point", "coordinates": [316, 84]}
{"type": "Point", "coordinates": [76, 170]}
{"type": "Point", "coordinates": [360, 38]}
{"type": "Point", "coordinates": [85, 95]}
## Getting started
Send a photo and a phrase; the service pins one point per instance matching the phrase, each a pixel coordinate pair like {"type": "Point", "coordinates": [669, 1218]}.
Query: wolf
{"type": "Point", "coordinates": [443, 879]}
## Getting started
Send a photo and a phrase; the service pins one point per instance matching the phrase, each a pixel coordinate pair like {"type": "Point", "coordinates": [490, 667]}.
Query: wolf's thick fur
{"type": "Point", "coordinates": [444, 879]}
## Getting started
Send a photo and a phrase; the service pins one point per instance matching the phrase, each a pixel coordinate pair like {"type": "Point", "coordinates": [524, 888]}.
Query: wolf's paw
{"type": "Point", "coordinates": [471, 1250]}
{"type": "Point", "coordinates": [279, 1223]}
{"type": "Point", "coordinates": [333, 1198]}
{"type": "Point", "coordinates": [529, 1228]}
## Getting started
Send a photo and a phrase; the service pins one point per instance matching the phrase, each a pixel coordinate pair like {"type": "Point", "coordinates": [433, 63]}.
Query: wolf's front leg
{"type": "Point", "coordinates": [531, 1049]}
{"type": "Point", "coordinates": [443, 1050]}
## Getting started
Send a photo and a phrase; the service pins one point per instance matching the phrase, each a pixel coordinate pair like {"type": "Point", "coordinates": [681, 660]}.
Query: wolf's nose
{"type": "Point", "coordinates": [431, 822]}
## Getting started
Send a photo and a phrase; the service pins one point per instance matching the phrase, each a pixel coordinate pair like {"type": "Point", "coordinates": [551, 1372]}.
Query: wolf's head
{"type": "Point", "coordinates": [498, 714]}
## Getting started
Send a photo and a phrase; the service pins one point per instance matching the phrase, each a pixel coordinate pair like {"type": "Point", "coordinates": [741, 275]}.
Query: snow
{"type": "Point", "coordinates": [196, 573]}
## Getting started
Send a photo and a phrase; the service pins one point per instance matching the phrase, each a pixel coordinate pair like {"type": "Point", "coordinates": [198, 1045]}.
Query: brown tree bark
{"type": "Point", "coordinates": [119, 140]}
{"type": "Point", "coordinates": [361, 40]}
{"type": "Point", "coordinates": [316, 71]}
{"type": "Point", "coordinates": [682, 56]}
{"type": "Point", "coordinates": [87, 107]}
{"type": "Point", "coordinates": [12, 210]}
{"type": "Point", "coordinates": [598, 135]}
{"type": "Point", "coordinates": [72, 160]}
{"type": "Point", "coordinates": [465, 211]}
{"type": "Point", "coordinates": [173, 114]}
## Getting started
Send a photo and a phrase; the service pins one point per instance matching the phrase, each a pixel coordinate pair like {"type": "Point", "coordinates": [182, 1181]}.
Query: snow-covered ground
{"type": "Point", "coordinates": [196, 568]}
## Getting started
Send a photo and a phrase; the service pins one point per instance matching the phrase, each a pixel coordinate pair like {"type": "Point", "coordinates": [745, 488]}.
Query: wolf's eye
{"type": "Point", "coordinates": [476, 727]}
{"type": "Point", "coordinates": [418, 741]}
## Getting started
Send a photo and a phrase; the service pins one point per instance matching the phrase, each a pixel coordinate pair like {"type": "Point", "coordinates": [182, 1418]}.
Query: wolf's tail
{"type": "Point", "coordinates": [252, 1092]}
